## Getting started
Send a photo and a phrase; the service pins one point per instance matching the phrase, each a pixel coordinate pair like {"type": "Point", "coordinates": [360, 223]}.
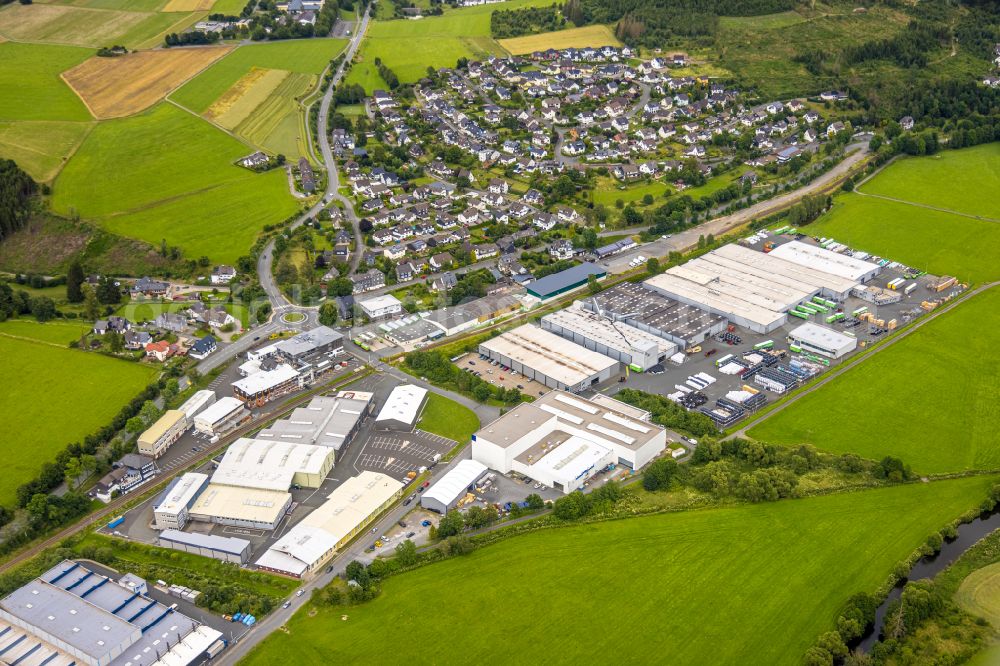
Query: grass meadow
{"type": "Point", "coordinates": [30, 87]}
{"type": "Point", "coordinates": [591, 35]}
{"type": "Point", "coordinates": [41, 147]}
{"type": "Point", "coordinates": [443, 416]}
{"type": "Point", "coordinates": [607, 191]}
{"type": "Point", "coordinates": [929, 399]}
{"type": "Point", "coordinates": [180, 184]}
{"type": "Point", "coordinates": [966, 181]}
{"type": "Point", "coordinates": [54, 395]}
{"type": "Point", "coordinates": [754, 584]}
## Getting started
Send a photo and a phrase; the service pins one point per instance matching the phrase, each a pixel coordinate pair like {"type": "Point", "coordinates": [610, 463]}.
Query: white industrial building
{"type": "Point", "coordinates": [401, 408]}
{"type": "Point", "coordinates": [681, 323]}
{"type": "Point", "coordinates": [453, 486]}
{"type": "Point", "coordinates": [321, 339]}
{"type": "Point", "coordinates": [227, 549]}
{"type": "Point", "coordinates": [561, 440]}
{"type": "Point", "coordinates": [620, 341]}
{"type": "Point", "coordinates": [749, 288]}
{"type": "Point", "coordinates": [199, 401]}
{"type": "Point", "coordinates": [269, 465]}
{"type": "Point", "coordinates": [221, 416]}
{"type": "Point", "coordinates": [812, 256]}
{"type": "Point", "coordinates": [822, 340]}
{"type": "Point", "coordinates": [171, 512]}
{"type": "Point", "coordinates": [346, 512]}
{"type": "Point", "coordinates": [380, 307]}
{"type": "Point", "coordinates": [241, 507]}
{"type": "Point", "coordinates": [265, 385]}
{"type": "Point", "coordinates": [329, 421]}
{"type": "Point", "coordinates": [549, 359]}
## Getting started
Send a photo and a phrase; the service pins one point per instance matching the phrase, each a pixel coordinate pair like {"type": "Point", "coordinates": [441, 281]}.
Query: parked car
{"type": "Point", "coordinates": [425, 523]}
{"type": "Point", "coordinates": [410, 535]}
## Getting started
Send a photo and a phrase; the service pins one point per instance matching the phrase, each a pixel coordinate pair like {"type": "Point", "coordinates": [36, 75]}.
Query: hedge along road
{"type": "Point", "coordinates": [117, 505]}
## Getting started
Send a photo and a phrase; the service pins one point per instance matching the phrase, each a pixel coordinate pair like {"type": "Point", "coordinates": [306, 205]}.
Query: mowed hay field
{"type": "Point", "coordinates": [85, 26]}
{"type": "Point", "coordinates": [930, 399]}
{"type": "Point", "coordinates": [122, 86]}
{"type": "Point", "coordinates": [30, 87]}
{"type": "Point", "coordinates": [41, 147]}
{"type": "Point", "coordinates": [167, 174]}
{"type": "Point", "coordinates": [753, 584]}
{"type": "Point", "coordinates": [591, 35]}
{"type": "Point", "coordinates": [980, 593]}
{"type": "Point", "coordinates": [188, 5]}
{"type": "Point", "coordinates": [71, 394]}
{"type": "Point", "coordinates": [965, 181]}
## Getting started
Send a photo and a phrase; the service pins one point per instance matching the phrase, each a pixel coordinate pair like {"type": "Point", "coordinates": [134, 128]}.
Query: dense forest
{"type": "Point", "coordinates": [506, 23]}
{"type": "Point", "coordinates": [16, 192]}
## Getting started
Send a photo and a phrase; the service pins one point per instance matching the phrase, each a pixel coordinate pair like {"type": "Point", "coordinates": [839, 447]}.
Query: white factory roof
{"type": "Point", "coordinates": [571, 459]}
{"type": "Point", "coordinates": [804, 254]}
{"type": "Point", "coordinates": [245, 504]}
{"type": "Point", "coordinates": [350, 505]}
{"type": "Point", "coordinates": [325, 421]}
{"type": "Point", "coordinates": [379, 302]}
{"type": "Point", "coordinates": [769, 264]}
{"type": "Point", "coordinates": [620, 336]}
{"type": "Point", "coordinates": [403, 404]}
{"type": "Point", "coordinates": [821, 336]}
{"type": "Point", "coordinates": [265, 379]}
{"type": "Point", "coordinates": [619, 406]}
{"type": "Point", "coordinates": [453, 484]}
{"type": "Point", "coordinates": [197, 402]}
{"type": "Point", "coordinates": [727, 304]}
{"type": "Point", "coordinates": [181, 492]}
{"type": "Point", "coordinates": [549, 354]}
{"type": "Point", "coordinates": [269, 465]}
{"type": "Point", "coordinates": [219, 410]}
{"type": "Point", "coordinates": [190, 648]}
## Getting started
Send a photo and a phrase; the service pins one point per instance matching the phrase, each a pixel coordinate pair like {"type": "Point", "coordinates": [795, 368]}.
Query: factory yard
{"type": "Point", "coordinates": [496, 375]}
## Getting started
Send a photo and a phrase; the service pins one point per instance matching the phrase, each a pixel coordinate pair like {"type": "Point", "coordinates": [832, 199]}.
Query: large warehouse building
{"type": "Point", "coordinates": [171, 511]}
{"type": "Point", "coordinates": [227, 549]}
{"type": "Point", "coordinates": [647, 310]}
{"type": "Point", "coordinates": [453, 486]}
{"type": "Point", "coordinates": [319, 340]}
{"type": "Point", "coordinates": [822, 340]}
{"type": "Point", "coordinates": [629, 345]}
{"type": "Point", "coordinates": [572, 278]}
{"type": "Point", "coordinates": [265, 385]}
{"type": "Point", "coordinates": [221, 416]}
{"type": "Point", "coordinates": [561, 440]}
{"type": "Point", "coordinates": [749, 288]}
{"type": "Point", "coordinates": [329, 421]}
{"type": "Point", "coordinates": [241, 507]}
{"type": "Point", "coordinates": [811, 256]}
{"type": "Point", "coordinates": [268, 465]}
{"type": "Point", "coordinates": [347, 511]}
{"type": "Point", "coordinates": [401, 408]}
{"type": "Point", "coordinates": [72, 615]}
{"type": "Point", "coordinates": [549, 359]}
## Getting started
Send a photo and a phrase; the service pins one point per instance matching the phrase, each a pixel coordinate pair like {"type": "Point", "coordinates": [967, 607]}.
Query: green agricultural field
{"type": "Point", "coordinates": [929, 399]}
{"type": "Point", "coordinates": [274, 124]}
{"type": "Point", "coordinates": [409, 47]}
{"type": "Point", "coordinates": [308, 56]}
{"type": "Point", "coordinates": [30, 87]}
{"type": "Point", "coordinates": [754, 584]}
{"type": "Point", "coordinates": [40, 147]}
{"type": "Point", "coordinates": [445, 417]}
{"type": "Point", "coordinates": [971, 175]}
{"type": "Point", "coordinates": [71, 394]}
{"type": "Point", "coordinates": [927, 239]}
{"type": "Point", "coordinates": [126, 5]}
{"type": "Point", "coordinates": [230, 7]}
{"type": "Point", "coordinates": [181, 184]}
{"type": "Point", "coordinates": [58, 332]}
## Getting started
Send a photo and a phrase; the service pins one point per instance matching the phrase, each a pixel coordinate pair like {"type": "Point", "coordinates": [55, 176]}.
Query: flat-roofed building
{"type": "Point", "coordinates": [227, 549]}
{"type": "Point", "coordinates": [74, 615]}
{"type": "Point", "coordinates": [549, 359]}
{"type": "Point", "coordinates": [452, 486]}
{"type": "Point", "coordinates": [171, 511]}
{"type": "Point", "coordinates": [380, 307]}
{"type": "Point", "coordinates": [265, 385]}
{"type": "Point", "coordinates": [822, 340]}
{"type": "Point", "coordinates": [629, 345]}
{"type": "Point", "coordinates": [222, 416]}
{"type": "Point", "coordinates": [329, 421]}
{"type": "Point", "coordinates": [348, 510]}
{"type": "Point", "coordinates": [681, 323]}
{"type": "Point", "coordinates": [155, 441]}
{"type": "Point", "coordinates": [850, 268]}
{"type": "Point", "coordinates": [402, 408]}
{"type": "Point", "coordinates": [241, 507]}
{"type": "Point", "coordinates": [196, 403]}
{"type": "Point", "coordinates": [321, 339]}
{"type": "Point", "coordinates": [572, 278]}
{"type": "Point", "coordinates": [561, 440]}
{"type": "Point", "coordinates": [269, 465]}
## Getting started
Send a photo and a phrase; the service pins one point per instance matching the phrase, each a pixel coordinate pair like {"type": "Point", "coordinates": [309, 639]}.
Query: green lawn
{"type": "Point", "coordinates": [607, 192]}
{"type": "Point", "coordinates": [754, 584]}
{"type": "Point", "coordinates": [166, 174]}
{"type": "Point", "coordinates": [57, 332]}
{"type": "Point", "coordinates": [972, 176]}
{"type": "Point", "coordinates": [54, 395]}
{"type": "Point", "coordinates": [930, 399]}
{"type": "Point", "coordinates": [309, 56]}
{"type": "Point", "coordinates": [30, 87]}
{"type": "Point", "coordinates": [40, 147]}
{"type": "Point", "coordinates": [443, 416]}
{"type": "Point", "coordinates": [927, 239]}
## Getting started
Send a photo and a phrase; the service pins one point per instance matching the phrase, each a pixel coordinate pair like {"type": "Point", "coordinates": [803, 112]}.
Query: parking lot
{"type": "Point", "coordinates": [401, 452]}
{"type": "Point", "coordinates": [496, 375]}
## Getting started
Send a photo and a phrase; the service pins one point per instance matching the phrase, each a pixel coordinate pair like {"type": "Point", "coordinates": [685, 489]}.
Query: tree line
{"type": "Point", "coordinates": [17, 191]}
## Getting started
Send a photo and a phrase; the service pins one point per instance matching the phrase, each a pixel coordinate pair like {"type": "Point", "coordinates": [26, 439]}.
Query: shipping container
{"type": "Point", "coordinates": [767, 344]}
{"type": "Point", "coordinates": [795, 348]}
{"type": "Point", "coordinates": [860, 311]}
{"type": "Point", "coordinates": [116, 522]}
{"type": "Point", "coordinates": [800, 315]}
{"type": "Point", "coordinates": [910, 288]}
{"type": "Point", "coordinates": [723, 360]}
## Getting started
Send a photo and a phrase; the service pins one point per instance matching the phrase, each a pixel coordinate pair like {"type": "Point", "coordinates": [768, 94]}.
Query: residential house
{"type": "Point", "coordinates": [160, 350]}
{"type": "Point", "coordinates": [561, 249]}
{"type": "Point", "coordinates": [444, 281]}
{"type": "Point", "coordinates": [372, 279]}
{"type": "Point", "coordinates": [170, 321]}
{"type": "Point", "coordinates": [441, 260]}
{"type": "Point", "coordinates": [111, 325]}
{"type": "Point", "coordinates": [202, 348]}
{"type": "Point", "coordinates": [223, 274]}
{"type": "Point", "coordinates": [485, 250]}
{"type": "Point", "coordinates": [149, 288]}
{"type": "Point", "coordinates": [135, 340]}
{"type": "Point", "coordinates": [307, 176]}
